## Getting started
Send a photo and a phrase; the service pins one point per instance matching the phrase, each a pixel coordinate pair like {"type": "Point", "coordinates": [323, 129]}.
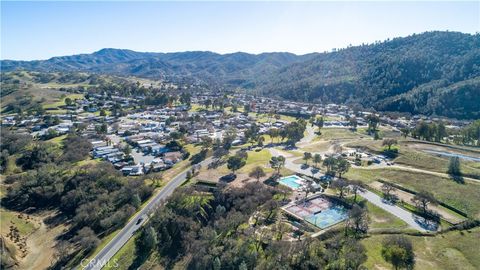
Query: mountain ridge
{"type": "Point", "coordinates": [383, 75]}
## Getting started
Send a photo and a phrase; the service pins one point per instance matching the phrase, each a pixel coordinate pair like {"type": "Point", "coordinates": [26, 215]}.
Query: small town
{"type": "Point", "coordinates": [239, 135]}
{"type": "Point", "coordinates": [137, 143]}
{"type": "Point", "coordinates": [313, 154]}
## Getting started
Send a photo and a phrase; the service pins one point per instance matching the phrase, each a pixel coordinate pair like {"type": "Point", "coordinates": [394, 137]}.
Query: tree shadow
{"type": "Point", "coordinates": [217, 163]}
{"type": "Point", "coordinates": [56, 219]}
{"type": "Point", "coordinates": [272, 180]}
{"type": "Point", "coordinates": [457, 178]}
{"type": "Point", "coordinates": [391, 199]}
{"type": "Point", "coordinates": [392, 153]}
{"type": "Point", "coordinates": [290, 147]}
{"type": "Point", "coordinates": [140, 259]}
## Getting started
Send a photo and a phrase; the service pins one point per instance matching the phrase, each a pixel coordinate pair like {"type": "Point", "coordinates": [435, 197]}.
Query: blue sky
{"type": "Point", "coordinates": [40, 30]}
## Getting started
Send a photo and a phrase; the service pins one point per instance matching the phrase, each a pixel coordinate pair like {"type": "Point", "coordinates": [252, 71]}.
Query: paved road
{"type": "Point", "coordinates": [289, 159]}
{"type": "Point", "coordinates": [307, 139]}
{"type": "Point", "coordinates": [133, 225]}
{"type": "Point", "coordinates": [395, 210]}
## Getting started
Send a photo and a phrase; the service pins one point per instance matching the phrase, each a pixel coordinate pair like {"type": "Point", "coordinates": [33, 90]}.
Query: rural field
{"type": "Point", "coordinates": [450, 251]}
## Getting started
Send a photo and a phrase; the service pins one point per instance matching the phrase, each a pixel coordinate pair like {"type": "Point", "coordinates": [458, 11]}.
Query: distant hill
{"type": "Point", "coordinates": [235, 67]}
{"type": "Point", "coordinates": [431, 73]}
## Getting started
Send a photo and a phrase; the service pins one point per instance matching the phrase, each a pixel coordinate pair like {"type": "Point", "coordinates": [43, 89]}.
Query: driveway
{"type": "Point", "coordinates": [412, 220]}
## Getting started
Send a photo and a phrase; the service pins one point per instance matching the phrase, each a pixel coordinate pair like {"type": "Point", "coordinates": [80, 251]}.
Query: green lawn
{"type": "Point", "coordinates": [339, 133]}
{"type": "Point", "coordinates": [381, 219]}
{"type": "Point", "coordinates": [260, 158]}
{"type": "Point", "coordinates": [196, 107]}
{"type": "Point", "coordinates": [107, 113]}
{"type": "Point", "coordinates": [452, 250]}
{"type": "Point", "coordinates": [263, 118]}
{"type": "Point", "coordinates": [268, 139]}
{"type": "Point", "coordinates": [56, 111]}
{"type": "Point", "coordinates": [254, 159]}
{"type": "Point", "coordinates": [329, 118]}
{"type": "Point", "coordinates": [192, 149]}
{"type": "Point", "coordinates": [124, 257]}
{"type": "Point", "coordinates": [57, 140]}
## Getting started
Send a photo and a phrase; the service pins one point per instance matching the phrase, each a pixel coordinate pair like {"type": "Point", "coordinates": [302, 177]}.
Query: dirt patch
{"type": "Point", "coordinates": [378, 220]}
{"type": "Point", "coordinates": [318, 146]}
{"type": "Point", "coordinates": [16, 229]}
{"type": "Point", "coordinates": [243, 179]}
{"type": "Point", "coordinates": [40, 245]}
{"type": "Point", "coordinates": [210, 175]}
{"type": "Point", "coordinates": [32, 239]}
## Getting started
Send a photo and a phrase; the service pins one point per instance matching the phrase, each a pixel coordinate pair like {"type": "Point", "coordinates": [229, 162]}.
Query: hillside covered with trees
{"type": "Point", "coordinates": [89, 197]}
{"type": "Point", "coordinates": [434, 73]}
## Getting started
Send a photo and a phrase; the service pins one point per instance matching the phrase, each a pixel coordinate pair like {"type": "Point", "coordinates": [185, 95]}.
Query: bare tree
{"type": "Point", "coordinates": [389, 142]}
{"type": "Point", "coordinates": [257, 173]}
{"type": "Point", "coordinates": [422, 199]}
{"type": "Point", "coordinates": [357, 186]}
{"type": "Point", "coordinates": [340, 185]}
{"type": "Point", "coordinates": [357, 220]}
{"type": "Point", "coordinates": [387, 188]}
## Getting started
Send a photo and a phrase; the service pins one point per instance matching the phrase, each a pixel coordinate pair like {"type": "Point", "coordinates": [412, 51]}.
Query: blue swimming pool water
{"type": "Point", "coordinates": [329, 217]}
{"type": "Point", "coordinates": [290, 181]}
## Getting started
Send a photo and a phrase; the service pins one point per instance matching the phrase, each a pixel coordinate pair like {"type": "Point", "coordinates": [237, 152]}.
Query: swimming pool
{"type": "Point", "coordinates": [328, 217]}
{"type": "Point", "coordinates": [292, 181]}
